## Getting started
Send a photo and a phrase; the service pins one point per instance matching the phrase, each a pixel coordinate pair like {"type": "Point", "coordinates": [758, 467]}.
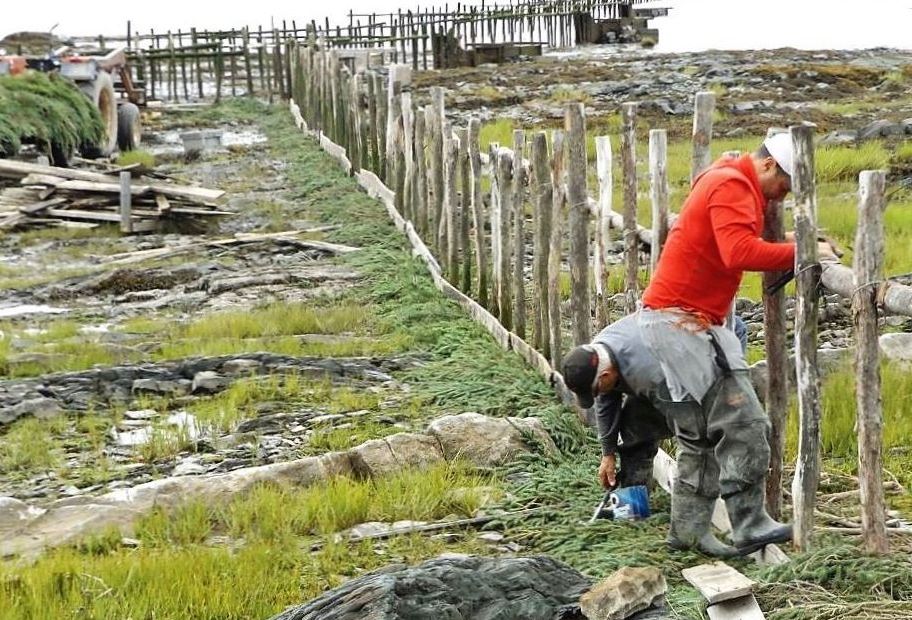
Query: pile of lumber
{"type": "Point", "coordinates": [39, 195]}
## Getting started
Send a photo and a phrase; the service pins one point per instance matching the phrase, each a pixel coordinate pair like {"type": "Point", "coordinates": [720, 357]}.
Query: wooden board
{"type": "Point", "coordinates": [718, 581]}
{"type": "Point", "coordinates": [744, 608]}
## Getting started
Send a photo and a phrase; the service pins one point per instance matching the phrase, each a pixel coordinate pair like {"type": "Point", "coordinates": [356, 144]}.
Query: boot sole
{"type": "Point", "coordinates": [756, 546]}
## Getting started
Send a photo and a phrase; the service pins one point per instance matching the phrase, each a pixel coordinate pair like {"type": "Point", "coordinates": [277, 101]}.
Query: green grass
{"type": "Point", "coordinates": [176, 574]}
{"type": "Point", "coordinates": [145, 159]}
{"type": "Point", "coordinates": [31, 444]}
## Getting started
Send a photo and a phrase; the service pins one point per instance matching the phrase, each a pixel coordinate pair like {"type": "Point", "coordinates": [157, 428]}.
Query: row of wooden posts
{"type": "Point", "coordinates": [175, 65]}
{"type": "Point", "coordinates": [437, 174]}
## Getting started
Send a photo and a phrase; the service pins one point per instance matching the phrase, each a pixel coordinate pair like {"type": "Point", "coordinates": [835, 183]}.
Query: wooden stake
{"type": "Point", "coordinates": [478, 214]}
{"type": "Point", "coordinates": [421, 198]}
{"type": "Point", "coordinates": [603, 229]}
{"type": "Point", "coordinates": [438, 114]}
{"type": "Point", "coordinates": [807, 469]}
{"type": "Point", "coordinates": [777, 360]}
{"type": "Point", "coordinates": [631, 243]}
{"type": "Point", "coordinates": [704, 106]}
{"type": "Point", "coordinates": [504, 213]}
{"type": "Point", "coordinates": [519, 241]}
{"type": "Point", "coordinates": [869, 268]}
{"type": "Point", "coordinates": [543, 206]}
{"type": "Point", "coordinates": [465, 202]}
{"type": "Point", "coordinates": [577, 196]}
{"type": "Point", "coordinates": [450, 204]}
{"type": "Point", "coordinates": [658, 176]}
{"type": "Point", "coordinates": [126, 205]}
{"type": "Point", "coordinates": [558, 174]}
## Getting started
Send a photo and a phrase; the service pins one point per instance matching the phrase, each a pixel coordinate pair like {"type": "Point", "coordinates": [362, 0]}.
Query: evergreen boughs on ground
{"type": "Point", "coordinates": [45, 109]}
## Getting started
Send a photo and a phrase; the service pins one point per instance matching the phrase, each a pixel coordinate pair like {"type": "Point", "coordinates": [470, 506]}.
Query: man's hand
{"type": "Point", "coordinates": [607, 472]}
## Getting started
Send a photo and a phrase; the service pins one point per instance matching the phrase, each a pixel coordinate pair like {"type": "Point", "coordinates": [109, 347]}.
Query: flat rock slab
{"type": "Point", "coordinates": [453, 588]}
{"type": "Point", "coordinates": [718, 581]}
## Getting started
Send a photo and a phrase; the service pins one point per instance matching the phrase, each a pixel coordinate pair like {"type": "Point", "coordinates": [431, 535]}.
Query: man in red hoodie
{"type": "Point", "coordinates": [720, 426]}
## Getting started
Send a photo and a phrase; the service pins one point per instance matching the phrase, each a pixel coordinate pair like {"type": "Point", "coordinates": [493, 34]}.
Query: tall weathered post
{"type": "Point", "coordinates": [704, 106]}
{"type": "Point", "coordinates": [777, 360]}
{"type": "Point", "coordinates": [578, 197]}
{"type": "Point", "coordinates": [631, 235]}
{"type": "Point", "coordinates": [658, 177]}
{"type": "Point", "coordinates": [603, 227]}
{"type": "Point", "coordinates": [869, 268]}
{"type": "Point", "coordinates": [807, 469]}
{"type": "Point", "coordinates": [543, 204]}
{"type": "Point", "coordinates": [558, 176]}
{"type": "Point", "coordinates": [478, 215]}
{"type": "Point", "coordinates": [519, 234]}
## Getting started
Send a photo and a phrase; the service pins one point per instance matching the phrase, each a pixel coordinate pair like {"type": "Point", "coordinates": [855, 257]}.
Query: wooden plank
{"type": "Point", "coordinates": [104, 188]}
{"type": "Point", "coordinates": [42, 179]}
{"type": "Point", "coordinates": [869, 268]}
{"type": "Point", "coordinates": [744, 608]}
{"type": "Point", "coordinates": [92, 216]}
{"type": "Point", "coordinates": [41, 206]}
{"type": "Point", "coordinates": [718, 582]}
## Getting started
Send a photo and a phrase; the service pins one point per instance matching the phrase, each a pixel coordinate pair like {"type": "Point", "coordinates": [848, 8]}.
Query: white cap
{"type": "Point", "coordinates": [780, 148]}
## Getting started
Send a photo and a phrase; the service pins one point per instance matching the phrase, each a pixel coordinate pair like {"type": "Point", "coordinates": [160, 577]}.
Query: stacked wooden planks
{"type": "Point", "coordinates": [39, 195]}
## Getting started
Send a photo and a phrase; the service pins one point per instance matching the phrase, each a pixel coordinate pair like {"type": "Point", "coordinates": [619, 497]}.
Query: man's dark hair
{"type": "Point", "coordinates": [763, 153]}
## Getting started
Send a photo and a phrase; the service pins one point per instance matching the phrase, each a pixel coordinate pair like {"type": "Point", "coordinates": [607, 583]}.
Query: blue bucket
{"type": "Point", "coordinates": [630, 503]}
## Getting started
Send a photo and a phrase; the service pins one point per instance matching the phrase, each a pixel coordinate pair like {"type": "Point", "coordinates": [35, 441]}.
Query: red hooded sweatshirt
{"type": "Point", "coordinates": [714, 241]}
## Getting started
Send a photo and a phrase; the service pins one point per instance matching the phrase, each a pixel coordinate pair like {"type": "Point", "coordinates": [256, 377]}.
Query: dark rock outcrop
{"type": "Point", "coordinates": [454, 588]}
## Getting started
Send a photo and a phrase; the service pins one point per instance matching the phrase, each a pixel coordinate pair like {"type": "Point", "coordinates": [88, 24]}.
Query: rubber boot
{"type": "Point", "coordinates": [752, 527]}
{"type": "Point", "coordinates": [690, 525]}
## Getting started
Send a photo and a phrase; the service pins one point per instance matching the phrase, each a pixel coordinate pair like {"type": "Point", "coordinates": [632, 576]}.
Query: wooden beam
{"type": "Point", "coordinates": [718, 582]}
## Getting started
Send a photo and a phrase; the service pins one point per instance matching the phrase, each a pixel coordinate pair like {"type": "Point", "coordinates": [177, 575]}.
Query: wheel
{"type": "Point", "coordinates": [60, 156]}
{"type": "Point", "coordinates": [101, 92]}
{"type": "Point", "coordinates": [129, 129]}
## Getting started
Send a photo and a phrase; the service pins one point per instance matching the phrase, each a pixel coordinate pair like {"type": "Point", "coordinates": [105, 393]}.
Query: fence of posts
{"type": "Point", "coordinates": [448, 211]}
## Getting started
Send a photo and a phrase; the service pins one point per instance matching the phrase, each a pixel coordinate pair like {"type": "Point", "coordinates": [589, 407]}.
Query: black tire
{"type": "Point", "coordinates": [60, 156]}
{"type": "Point", "coordinates": [129, 129]}
{"type": "Point", "coordinates": [101, 92]}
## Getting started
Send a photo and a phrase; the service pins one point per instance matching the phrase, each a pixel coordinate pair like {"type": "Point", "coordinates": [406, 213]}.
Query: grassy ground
{"type": "Point", "coordinates": [203, 562]}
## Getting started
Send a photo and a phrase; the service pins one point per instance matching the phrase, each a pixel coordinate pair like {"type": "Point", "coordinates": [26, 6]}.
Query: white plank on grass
{"type": "Point", "coordinates": [718, 581]}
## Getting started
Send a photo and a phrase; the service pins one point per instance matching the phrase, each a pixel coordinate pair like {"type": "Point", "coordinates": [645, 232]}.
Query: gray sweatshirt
{"type": "Point", "coordinates": [640, 375]}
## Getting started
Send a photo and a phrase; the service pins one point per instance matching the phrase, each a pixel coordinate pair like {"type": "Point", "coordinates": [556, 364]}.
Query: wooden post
{"type": "Point", "coordinates": [450, 202]}
{"type": "Point", "coordinates": [219, 70]}
{"type": "Point", "coordinates": [465, 201]}
{"type": "Point", "coordinates": [519, 241]}
{"type": "Point", "coordinates": [777, 360]}
{"type": "Point", "coordinates": [658, 176]}
{"type": "Point", "coordinates": [578, 198]}
{"type": "Point", "coordinates": [541, 329]}
{"type": "Point", "coordinates": [126, 204]}
{"type": "Point", "coordinates": [631, 240]}
{"type": "Point", "coordinates": [356, 154]}
{"type": "Point", "coordinates": [869, 268]}
{"type": "Point", "coordinates": [372, 136]}
{"type": "Point", "coordinates": [408, 152]}
{"type": "Point", "coordinates": [504, 213]}
{"type": "Point", "coordinates": [438, 115]}
{"type": "Point", "coordinates": [248, 71]}
{"type": "Point", "coordinates": [704, 106]}
{"type": "Point", "coordinates": [382, 114]}
{"type": "Point", "coordinates": [421, 172]}
{"type": "Point", "coordinates": [559, 194]}
{"type": "Point", "coordinates": [603, 228]}
{"type": "Point", "coordinates": [399, 76]}
{"type": "Point", "coordinates": [807, 469]}
{"type": "Point", "coordinates": [478, 215]}
{"type": "Point", "coordinates": [261, 61]}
